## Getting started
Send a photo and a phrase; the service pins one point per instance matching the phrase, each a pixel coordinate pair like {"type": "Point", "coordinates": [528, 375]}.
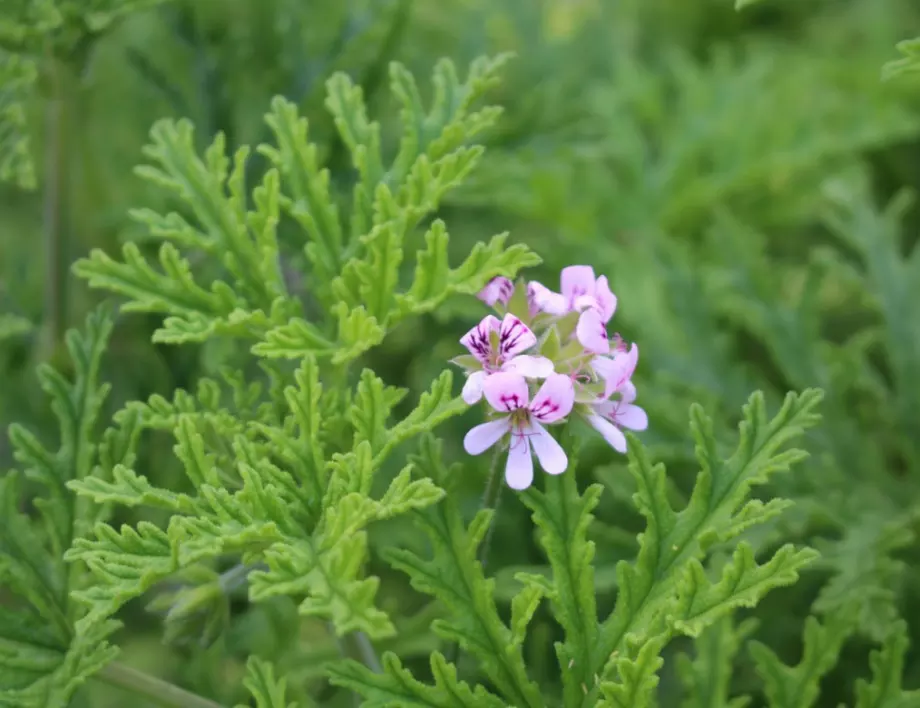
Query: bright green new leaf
{"type": "Point", "coordinates": [884, 690]}
{"type": "Point", "coordinates": [707, 676]}
{"type": "Point", "coordinates": [268, 691]}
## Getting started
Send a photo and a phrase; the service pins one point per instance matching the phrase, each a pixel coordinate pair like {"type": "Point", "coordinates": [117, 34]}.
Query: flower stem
{"type": "Point", "coordinates": [159, 691]}
{"type": "Point", "coordinates": [490, 500]}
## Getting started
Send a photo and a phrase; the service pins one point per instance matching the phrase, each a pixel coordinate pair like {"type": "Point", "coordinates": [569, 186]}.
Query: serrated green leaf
{"type": "Point", "coordinates": [397, 688]}
{"type": "Point", "coordinates": [260, 681]}
{"type": "Point", "coordinates": [788, 686]}
{"type": "Point", "coordinates": [707, 676]}
{"type": "Point", "coordinates": [884, 690]}
{"type": "Point", "coordinates": [17, 77]}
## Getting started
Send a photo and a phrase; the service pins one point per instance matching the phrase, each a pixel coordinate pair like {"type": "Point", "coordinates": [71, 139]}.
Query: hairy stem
{"type": "Point", "coordinates": [152, 688]}
{"type": "Point", "coordinates": [368, 653]}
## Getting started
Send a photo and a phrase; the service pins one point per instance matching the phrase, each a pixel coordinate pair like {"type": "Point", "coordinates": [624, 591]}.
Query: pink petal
{"type": "Point", "coordinates": [514, 337]}
{"type": "Point", "coordinates": [545, 300]}
{"type": "Point", "coordinates": [627, 392]}
{"type": "Point", "coordinates": [472, 389]}
{"type": "Point", "coordinates": [554, 400]}
{"type": "Point", "coordinates": [629, 416]}
{"type": "Point", "coordinates": [549, 452]}
{"type": "Point", "coordinates": [577, 281]}
{"type": "Point", "coordinates": [477, 339]}
{"type": "Point", "coordinates": [499, 289]}
{"type": "Point", "coordinates": [611, 433]}
{"type": "Point", "coordinates": [592, 332]}
{"type": "Point", "coordinates": [533, 367]}
{"type": "Point", "coordinates": [606, 300]}
{"type": "Point", "coordinates": [617, 370]}
{"type": "Point", "coordinates": [506, 391]}
{"type": "Point", "coordinates": [519, 467]}
{"type": "Point", "coordinates": [485, 435]}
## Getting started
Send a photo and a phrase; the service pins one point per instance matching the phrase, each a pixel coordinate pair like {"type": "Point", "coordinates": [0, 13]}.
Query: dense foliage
{"type": "Point", "coordinates": [240, 413]}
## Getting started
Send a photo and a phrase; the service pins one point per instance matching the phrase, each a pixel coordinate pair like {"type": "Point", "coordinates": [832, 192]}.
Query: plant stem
{"type": "Point", "coordinates": [157, 690]}
{"type": "Point", "coordinates": [368, 653]}
{"type": "Point", "coordinates": [490, 500]}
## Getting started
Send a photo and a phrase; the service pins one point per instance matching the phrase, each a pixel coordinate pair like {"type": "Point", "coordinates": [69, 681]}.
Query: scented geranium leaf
{"type": "Point", "coordinates": [707, 675]}
{"type": "Point", "coordinates": [357, 332]}
{"type": "Point", "coordinates": [371, 408]}
{"type": "Point", "coordinates": [798, 686]}
{"type": "Point", "coordinates": [637, 676]}
{"type": "Point", "coordinates": [130, 489]}
{"type": "Point", "coordinates": [674, 540]}
{"type": "Point", "coordinates": [742, 584]}
{"type": "Point", "coordinates": [884, 690]}
{"type": "Point", "coordinates": [455, 577]}
{"type": "Point", "coordinates": [17, 78]}
{"type": "Point", "coordinates": [266, 690]}
{"type": "Point", "coordinates": [308, 199]}
{"type": "Point", "coordinates": [866, 574]}
{"type": "Point", "coordinates": [397, 688]}
{"type": "Point", "coordinates": [563, 516]}
{"type": "Point", "coordinates": [14, 325]}
{"type": "Point", "coordinates": [124, 563]}
{"type": "Point", "coordinates": [435, 281]}
{"type": "Point", "coordinates": [909, 63]}
{"type": "Point", "coordinates": [434, 407]}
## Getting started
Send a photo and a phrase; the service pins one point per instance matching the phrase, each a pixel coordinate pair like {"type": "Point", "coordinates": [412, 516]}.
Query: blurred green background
{"type": "Point", "coordinates": [743, 178]}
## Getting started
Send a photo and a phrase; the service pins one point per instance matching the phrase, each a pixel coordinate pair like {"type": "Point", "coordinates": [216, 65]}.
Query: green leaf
{"type": "Point", "coordinates": [638, 676]}
{"type": "Point", "coordinates": [884, 690]}
{"type": "Point", "coordinates": [455, 577]}
{"type": "Point", "coordinates": [798, 686]}
{"type": "Point", "coordinates": [563, 516]}
{"type": "Point", "coordinates": [435, 281]}
{"type": "Point", "coordinates": [260, 681]}
{"type": "Point", "coordinates": [397, 688]}
{"type": "Point", "coordinates": [674, 542]}
{"type": "Point", "coordinates": [707, 676]}
{"type": "Point", "coordinates": [908, 64]}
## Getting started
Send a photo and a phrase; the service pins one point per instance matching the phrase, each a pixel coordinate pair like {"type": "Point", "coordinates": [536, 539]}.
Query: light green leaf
{"type": "Point", "coordinates": [884, 690]}
{"type": "Point", "coordinates": [260, 681]}
{"type": "Point", "coordinates": [707, 676]}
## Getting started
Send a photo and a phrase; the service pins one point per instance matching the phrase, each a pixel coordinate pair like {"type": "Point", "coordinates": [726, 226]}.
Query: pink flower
{"type": "Point", "coordinates": [499, 290]}
{"type": "Point", "coordinates": [581, 292]}
{"type": "Point", "coordinates": [609, 416]}
{"type": "Point", "coordinates": [497, 346]}
{"type": "Point", "coordinates": [507, 393]}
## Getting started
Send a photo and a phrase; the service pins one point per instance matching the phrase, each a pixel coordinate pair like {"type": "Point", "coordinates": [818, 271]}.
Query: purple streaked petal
{"type": "Point", "coordinates": [576, 281]}
{"type": "Point", "coordinates": [554, 400]}
{"type": "Point", "coordinates": [533, 367]}
{"type": "Point", "coordinates": [506, 391]}
{"type": "Point", "coordinates": [485, 435]}
{"type": "Point", "coordinates": [519, 467]}
{"type": "Point", "coordinates": [478, 341]}
{"type": "Point", "coordinates": [606, 300]}
{"type": "Point", "coordinates": [549, 452]}
{"type": "Point", "coordinates": [514, 337]}
{"type": "Point", "coordinates": [613, 435]}
{"type": "Point", "coordinates": [545, 300]}
{"type": "Point", "coordinates": [472, 389]}
{"type": "Point", "coordinates": [592, 332]}
{"type": "Point", "coordinates": [498, 290]}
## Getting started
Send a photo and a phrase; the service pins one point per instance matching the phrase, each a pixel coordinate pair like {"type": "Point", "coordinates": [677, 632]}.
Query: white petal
{"type": "Point", "coordinates": [627, 392]}
{"type": "Point", "coordinates": [514, 337]}
{"type": "Point", "coordinates": [545, 300]}
{"type": "Point", "coordinates": [554, 400]}
{"type": "Point", "coordinates": [592, 332]}
{"type": "Point", "coordinates": [613, 435]}
{"type": "Point", "coordinates": [630, 416]}
{"type": "Point", "coordinates": [519, 467]}
{"type": "Point", "coordinates": [472, 389]}
{"type": "Point", "coordinates": [485, 435]}
{"type": "Point", "coordinates": [506, 391]}
{"type": "Point", "coordinates": [533, 367]}
{"type": "Point", "coordinates": [478, 340]}
{"type": "Point", "coordinates": [577, 281]}
{"type": "Point", "coordinates": [616, 371]}
{"type": "Point", "coordinates": [549, 452]}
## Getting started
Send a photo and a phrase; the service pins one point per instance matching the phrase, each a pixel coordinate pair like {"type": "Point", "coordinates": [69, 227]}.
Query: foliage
{"type": "Point", "coordinates": [247, 450]}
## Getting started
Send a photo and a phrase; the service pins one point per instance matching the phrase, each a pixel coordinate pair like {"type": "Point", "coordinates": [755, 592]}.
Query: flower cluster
{"type": "Point", "coordinates": [548, 356]}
